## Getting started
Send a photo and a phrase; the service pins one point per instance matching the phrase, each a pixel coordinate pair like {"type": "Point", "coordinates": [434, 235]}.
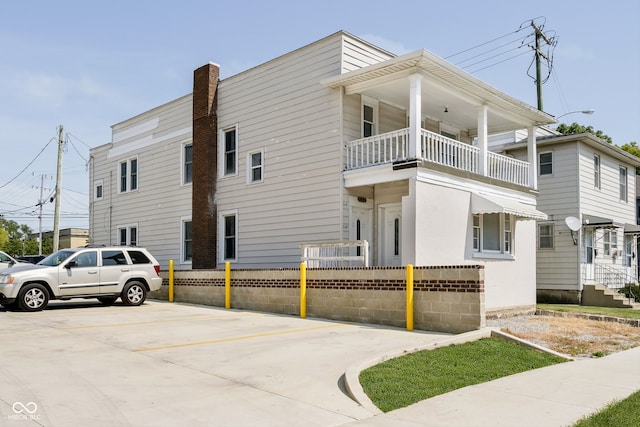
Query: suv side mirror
{"type": "Point", "coordinates": [71, 264]}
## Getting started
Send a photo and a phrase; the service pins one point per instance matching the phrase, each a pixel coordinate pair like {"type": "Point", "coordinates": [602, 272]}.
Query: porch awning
{"type": "Point", "coordinates": [483, 204]}
{"type": "Point", "coordinates": [631, 229]}
{"type": "Point", "coordinates": [599, 222]}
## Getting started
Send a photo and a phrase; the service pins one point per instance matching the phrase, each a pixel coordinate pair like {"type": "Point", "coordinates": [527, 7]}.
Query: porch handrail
{"type": "Point", "coordinates": [393, 146]}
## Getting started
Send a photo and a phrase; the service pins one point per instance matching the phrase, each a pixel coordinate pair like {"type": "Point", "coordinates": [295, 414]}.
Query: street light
{"type": "Point", "coordinates": [577, 111]}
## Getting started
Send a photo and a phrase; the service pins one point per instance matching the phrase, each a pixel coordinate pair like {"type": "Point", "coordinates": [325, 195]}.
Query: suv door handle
{"type": "Point", "coordinates": [125, 269]}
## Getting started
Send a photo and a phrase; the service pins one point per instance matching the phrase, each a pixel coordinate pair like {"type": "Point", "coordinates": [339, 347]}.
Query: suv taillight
{"type": "Point", "coordinates": [157, 269]}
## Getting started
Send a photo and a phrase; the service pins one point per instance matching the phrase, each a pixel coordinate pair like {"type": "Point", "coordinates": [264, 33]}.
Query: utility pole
{"type": "Point", "coordinates": [40, 203]}
{"type": "Point", "coordinates": [56, 212]}
{"type": "Point", "coordinates": [539, 54]}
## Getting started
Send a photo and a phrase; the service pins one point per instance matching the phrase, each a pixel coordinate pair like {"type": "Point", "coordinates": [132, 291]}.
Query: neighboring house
{"type": "Point", "coordinates": [592, 183]}
{"type": "Point", "coordinates": [336, 141]}
{"type": "Point", "coordinates": [67, 237]}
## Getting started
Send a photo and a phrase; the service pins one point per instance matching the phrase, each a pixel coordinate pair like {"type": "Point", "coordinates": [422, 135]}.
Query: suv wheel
{"type": "Point", "coordinates": [134, 293]}
{"type": "Point", "coordinates": [33, 297]}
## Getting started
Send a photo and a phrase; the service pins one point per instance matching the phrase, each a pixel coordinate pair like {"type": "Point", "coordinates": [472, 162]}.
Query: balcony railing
{"type": "Point", "coordinates": [434, 148]}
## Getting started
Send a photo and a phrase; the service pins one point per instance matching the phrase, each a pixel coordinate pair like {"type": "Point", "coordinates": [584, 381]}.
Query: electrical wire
{"type": "Point", "coordinates": [26, 167]}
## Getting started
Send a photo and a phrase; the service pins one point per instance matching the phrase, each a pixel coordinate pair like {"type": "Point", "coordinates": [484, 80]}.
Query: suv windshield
{"type": "Point", "coordinates": [56, 258]}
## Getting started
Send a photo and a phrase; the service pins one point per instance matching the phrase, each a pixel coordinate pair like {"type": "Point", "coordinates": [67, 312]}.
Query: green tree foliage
{"type": "Point", "coordinates": [632, 148]}
{"type": "Point", "coordinates": [14, 239]}
{"type": "Point", "coordinates": [574, 128]}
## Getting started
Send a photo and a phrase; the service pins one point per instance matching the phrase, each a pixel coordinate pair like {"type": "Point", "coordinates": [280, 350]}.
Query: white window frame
{"type": "Point", "coordinates": [373, 104]}
{"type": "Point", "coordinates": [222, 156]}
{"type": "Point", "coordinates": [540, 163]}
{"type": "Point", "coordinates": [183, 240]}
{"type": "Point", "coordinates": [550, 235]}
{"type": "Point", "coordinates": [127, 229]}
{"type": "Point", "coordinates": [624, 183]}
{"type": "Point", "coordinates": [98, 183]}
{"type": "Point", "coordinates": [506, 250]}
{"type": "Point", "coordinates": [597, 171]}
{"type": "Point", "coordinates": [610, 242]}
{"type": "Point", "coordinates": [183, 163]}
{"type": "Point", "coordinates": [128, 176]}
{"type": "Point", "coordinates": [222, 236]}
{"type": "Point", "coordinates": [251, 167]}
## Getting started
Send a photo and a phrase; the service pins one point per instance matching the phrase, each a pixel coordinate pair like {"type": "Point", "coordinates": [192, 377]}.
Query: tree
{"type": "Point", "coordinates": [574, 128]}
{"type": "Point", "coordinates": [632, 148]}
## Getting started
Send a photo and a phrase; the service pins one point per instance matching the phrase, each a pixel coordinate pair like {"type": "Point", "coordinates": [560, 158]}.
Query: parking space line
{"type": "Point", "coordinates": [111, 325]}
{"type": "Point", "coordinates": [245, 337]}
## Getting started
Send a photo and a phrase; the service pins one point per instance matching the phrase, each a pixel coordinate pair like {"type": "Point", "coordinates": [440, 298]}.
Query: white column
{"type": "Point", "coordinates": [482, 139]}
{"type": "Point", "coordinates": [415, 115]}
{"type": "Point", "coordinates": [532, 157]}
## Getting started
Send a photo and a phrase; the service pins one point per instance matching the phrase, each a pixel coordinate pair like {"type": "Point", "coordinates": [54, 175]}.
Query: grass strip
{"type": "Point", "coordinates": [402, 381]}
{"type": "Point", "coordinates": [623, 413]}
{"type": "Point", "coordinates": [626, 313]}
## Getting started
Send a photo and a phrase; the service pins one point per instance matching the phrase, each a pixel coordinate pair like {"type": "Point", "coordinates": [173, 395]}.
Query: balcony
{"type": "Point", "coordinates": [393, 147]}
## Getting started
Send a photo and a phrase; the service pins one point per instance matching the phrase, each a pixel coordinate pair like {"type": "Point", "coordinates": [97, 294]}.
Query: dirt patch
{"type": "Point", "coordinates": [574, 336]}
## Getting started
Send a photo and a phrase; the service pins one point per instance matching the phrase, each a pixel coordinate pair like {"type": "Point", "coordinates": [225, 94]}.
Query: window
{"type": "Point", "coordinates": [128, 175]}
{"type": "Point", "coordinates": [255, 166]}
{"type": "Point", "coordinates": [628, 250]}
{"type": "Point", "coordinates": [187, 164]}
{"type": "Point", "coordinates": [229, 235]}
{"type": "Point", "coordinates": [87, 259]}
{"type": "Point", "coordinates": [98, 188]}
{"type": "Point", "coordinates": [493, 233]}
{"type": "Point", "coordinates": [545, 236]}
{"type": "Point", "coordinates": [229, 160]}
{"type": "Point", "coordinates": [623, 183]}
{"type": "Point", "coordinates": [546, 163]}
{"type": "Point", "coordinates": [113, 258]}
{"type": "Point", "coordinates": [138, 257]}
{"type": "Point", "coordinates": [368, 125]}
{"type": "Point", "coordinates": [610, 240]}
{"type": "Point", "coordinates": [596, 171]}
{"type": "Point", "coordinates": [187, 242]}
{"type": "Point", "coordinates": [128, 235]}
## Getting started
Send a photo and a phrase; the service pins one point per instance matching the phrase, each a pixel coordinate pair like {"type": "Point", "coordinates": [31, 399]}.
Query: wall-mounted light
{"type": "Point", "coordinates": [446, 109]}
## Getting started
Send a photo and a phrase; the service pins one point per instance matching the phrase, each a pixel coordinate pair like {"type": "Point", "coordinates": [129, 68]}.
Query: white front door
{"type": "Point", "coordinates": [390, 231]}
{"type": "Point", "coordinates": [589, 255]}
{"type": "Point", "coordinates": [361, 225]}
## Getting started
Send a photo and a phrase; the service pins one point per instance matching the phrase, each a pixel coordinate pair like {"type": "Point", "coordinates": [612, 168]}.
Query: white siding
{"type": "Point", "coordinates": [156, 138]}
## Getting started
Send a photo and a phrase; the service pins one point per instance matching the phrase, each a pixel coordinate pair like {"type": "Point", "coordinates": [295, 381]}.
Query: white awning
{"type": "Point", "coordinates": [493, 204]}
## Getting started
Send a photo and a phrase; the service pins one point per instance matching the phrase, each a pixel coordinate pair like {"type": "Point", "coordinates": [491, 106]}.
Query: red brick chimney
{"type": "Point", "coordinates": [205, 167]}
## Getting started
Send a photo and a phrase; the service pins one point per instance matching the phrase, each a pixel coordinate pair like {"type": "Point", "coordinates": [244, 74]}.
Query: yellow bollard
{"type": "Point", "coordinates": [227, 284]}
{"type": "Point", "coordinates": [409, 297]}
{"type": "Point", "coordinates": [170, 280]}
{"type": "Point", "coordinates": [303, 290]}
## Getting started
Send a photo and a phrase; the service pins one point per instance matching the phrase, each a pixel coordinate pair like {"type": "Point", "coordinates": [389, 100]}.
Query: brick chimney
{"type": "Point", "coordinates": [205, 167]}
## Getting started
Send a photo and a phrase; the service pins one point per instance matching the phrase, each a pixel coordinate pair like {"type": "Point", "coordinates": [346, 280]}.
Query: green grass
{"type": "Point", "coordinates": [585, 309]}
{"type": "Point", "coordinates": [405, 380]}
{"type": "Point", "coordinates": [624, 413]}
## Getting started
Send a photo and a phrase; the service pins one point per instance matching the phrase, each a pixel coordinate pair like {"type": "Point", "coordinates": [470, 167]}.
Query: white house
{"type": "Point", "coordinates": [337, 141]}
{"type": "Point", "coordinates": [587, 189]}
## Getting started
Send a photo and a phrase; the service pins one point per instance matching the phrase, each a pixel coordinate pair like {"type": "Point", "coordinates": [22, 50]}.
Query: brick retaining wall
{"type": "Point", "coordinates": [446, 299]}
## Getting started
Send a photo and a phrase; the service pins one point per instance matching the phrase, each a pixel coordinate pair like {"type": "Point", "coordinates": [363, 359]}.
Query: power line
{"type": "Point", "coordinates": [30, 163]}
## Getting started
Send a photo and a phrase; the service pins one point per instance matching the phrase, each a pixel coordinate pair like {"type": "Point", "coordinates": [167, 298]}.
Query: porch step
{"type": "Point", "coordinates": [601, 296]}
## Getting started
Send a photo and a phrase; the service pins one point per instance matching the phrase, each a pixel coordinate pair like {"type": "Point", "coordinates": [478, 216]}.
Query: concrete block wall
{"type": "Point", "coordinates": [446, 299]}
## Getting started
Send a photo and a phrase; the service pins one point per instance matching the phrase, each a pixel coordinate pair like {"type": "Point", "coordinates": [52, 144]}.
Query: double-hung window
{"type": "Point", "coordinates": [493, 233]}
{"type": "Point", "coordinates": [128, 235]}
{"type": "Point", "coordinates": [187, 163]}
{"type": "Point", "coordinates": [229, 153]}
{"type": "Point", "coordinates": [596, 171]}
{"type": "Point", "coordinates": [98, 189]}
{"type": "Point", "coordinates": [610, 240]}
{"type": "Point", "coordinates": [128, 175]}
{"type": "Point", "coordinates": [623, 184]}
{"type": "Point", "coordinates": [545, 236]}
{"type": "Point", "coordinates": [187, 245]}
{"type": "Point", "coordinates": [229, 235]}
{"type": "Point", "coordinates": [546, 163]}
{"type": "Point", "coordinates": [255, 167]}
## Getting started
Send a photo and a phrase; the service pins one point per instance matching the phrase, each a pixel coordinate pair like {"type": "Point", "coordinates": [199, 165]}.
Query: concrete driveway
{"type": "Point", "coordinates": [163, 364]}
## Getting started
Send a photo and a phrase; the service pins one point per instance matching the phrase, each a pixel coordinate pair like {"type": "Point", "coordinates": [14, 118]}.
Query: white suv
{"type": "Point", "coordinates": [105, 273]}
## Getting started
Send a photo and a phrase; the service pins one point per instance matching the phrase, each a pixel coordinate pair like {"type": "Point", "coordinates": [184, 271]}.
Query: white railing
{"type": "Point", "coordinates": [439, 149]}
{"type": "Point", "coordinates": [378, 149]}
{"type": "Point", "coordinates": [335, 253]}
{"type": "Point", "coordinates": [507, 169]}
{"type": "Point", "coordinates": [434, 148]}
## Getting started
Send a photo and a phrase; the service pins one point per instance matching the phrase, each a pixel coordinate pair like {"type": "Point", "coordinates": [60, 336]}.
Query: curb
{"type": "Point", "coordinates": [599, 317]}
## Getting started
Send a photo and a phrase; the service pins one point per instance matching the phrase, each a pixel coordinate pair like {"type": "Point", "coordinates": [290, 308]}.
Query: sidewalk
{"type": "Point", "coordinates": [557, 395]}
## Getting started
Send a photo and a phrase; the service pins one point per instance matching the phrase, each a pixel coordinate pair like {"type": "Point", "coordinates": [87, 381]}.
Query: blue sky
{"type": "Point", "coordinates": [88, 65]}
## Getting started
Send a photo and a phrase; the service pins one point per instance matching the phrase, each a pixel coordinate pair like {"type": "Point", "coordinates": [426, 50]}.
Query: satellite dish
{"type": "Point", "coordinates": [573, 223]}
